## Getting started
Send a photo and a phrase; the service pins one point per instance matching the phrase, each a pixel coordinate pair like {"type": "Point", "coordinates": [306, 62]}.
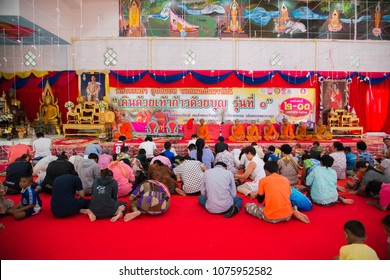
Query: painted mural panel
{"type": "Point", "coordinates": [310, 19]}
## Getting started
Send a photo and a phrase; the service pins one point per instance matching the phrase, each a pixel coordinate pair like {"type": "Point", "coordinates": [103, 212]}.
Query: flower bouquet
{"type": "Point", "coordinates": [103, 105]}
{"type": "Point", "coordinates": [69, 104]}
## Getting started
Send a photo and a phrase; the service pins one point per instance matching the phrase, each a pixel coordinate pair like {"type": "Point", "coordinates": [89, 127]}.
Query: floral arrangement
{"type": "Point", "coordinates": [69, 104]}
{"type": "Point", "coordinates": [103, 105]}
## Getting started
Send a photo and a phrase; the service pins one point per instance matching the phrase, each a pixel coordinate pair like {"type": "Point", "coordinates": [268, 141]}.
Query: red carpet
{"type": "Point", "coordinates": [188, 232]}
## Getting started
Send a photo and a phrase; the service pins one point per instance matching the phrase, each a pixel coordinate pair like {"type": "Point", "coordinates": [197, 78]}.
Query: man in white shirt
{"type": "Point", "coordinates": [41, 147]}
{"type": "Point", "coordinates": [149, 146]}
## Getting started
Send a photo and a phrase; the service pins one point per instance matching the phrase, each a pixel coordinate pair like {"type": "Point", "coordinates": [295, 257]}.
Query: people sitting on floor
{"type": "Point", "coordinates": [227, 158]}
{"type": "Point", "coordinates": [252, 132]}
{"type": "Point", "coordinates": [299, 200]}
{"type": "Point", "coordinates": [237, 132]}
{"type": "Point", "coordinates": [301, 132]}
{"type": "Point", "coordinates": [94, 148]}
{"type": "Point", "coordinates": [190, 172]}
{"type": "Point", "coordinates": [271, 154]}
{"type": "Point", "coordinates": [254, 170]}
{"type": "Point", "coordinates": [363, 154]}
{"type": "Point", "coordinates": [105, 203]}
{"type": "Point", "coordinates": [384, 166]}
{"type": "Point", "coordinates": [286, 131]}
{"type": "Point", "coordinates": [5, 203]}
{"type": "Point", "coordinates": [380, 191]}
{"type": "Point", "coordinates": [355, 236]}
{"type": "Point", "coordinates": [321, 131]}
{"type": "Point", "coordinates": [220, 146]}
{"type": "Point", "coordinates": [105, 159]}
{"type": "Point", "coordinates": [316, 150]}
{"type": "Point", "coordinates": [193, 139]}
{"type": "Point", "coordinates": [55, 169]}
{"type": "Point", "coordinates": [259, 150]}
{"type": "Point", "coordinates": [322, 181]}
{"type": "Point", "coordinates": [308, 164]}
{"type": "Point", "coordinates": [124, 175]}
{"type": "Point", "coordinates": [218, 192]}
{"type": "Point", "coordinates": [288, 165]}
{"type": "Point", "coordinates": [124, 129]}
{"type": "Point", "coordinates": [151, 197]}
{"type": "Point", "coordinates": [30, 202]}
{"type": "Point", "coordinates": [16, 151]}
{"type": "Point", "coordinates": [118, 145]}
{"type": "Point", "coordinates": [202, 131]}
{"type": "Point", "coordinates": [41, 147]}
{"type": "Point", "coordinates": [88, 170]}
{"type": "Point", "coordinates": [64, 201]}
{"type": "Point", "coordinates": [163, 173]}
{"type": "Point", "coordinates": [15, 171]}
{"type": "Point", "coordinates": [275, 191]}
{"type": "Point", "coordinates": [163, 159]}
{"type": "Point", "coordinates": [340, 161]}
{"type": "Point", "coordinates": [167, 153]}
{"type": "Point", "coordinates": [270, 133]}
{"type": "Point", "coordinates": [204, 155]}
{"type": "Point", "coordinates": [298, 152]}
{"type": "Point", "coordinates": [369, 174]}
{"type": "Point", "coordinates": [351, 161]}
{"type": "Point", "coordinates": [149, 146]}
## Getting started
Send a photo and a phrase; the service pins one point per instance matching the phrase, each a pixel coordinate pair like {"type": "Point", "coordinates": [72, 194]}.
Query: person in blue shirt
{"type": "Point", "coordinates": [271, 155]}
{"type": "Point", "coordinates": [167, 153]}
{"type": "Point", "coordinates": [351, 161]}
{"type": "Point", "coordinates": [30, 203]}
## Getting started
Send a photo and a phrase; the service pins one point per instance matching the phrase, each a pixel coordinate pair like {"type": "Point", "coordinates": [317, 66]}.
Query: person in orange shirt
{"type": "Point", "coordinates": [286, 131]}
{"type": "Point", "coordinates": [17, 151]}
{"type": "Point", "coordinates": [301, 133]}
{"type": "Point", "coordinates": [275, 191]}
{"type": "Point", "coordinates": [320, 132]}
{"type": "Point", "coordinates": [252, 132]}
{"type": "Point", "coordinates": [270, 132]}
{"type": "Point", "coordinates": [238, 133]}
{"type": "Point", "coordinates": [203, 131]}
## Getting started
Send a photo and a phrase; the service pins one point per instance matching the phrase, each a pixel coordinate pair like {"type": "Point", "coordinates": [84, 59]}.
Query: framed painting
{"type": "Point", "coordinates": [93, 86]}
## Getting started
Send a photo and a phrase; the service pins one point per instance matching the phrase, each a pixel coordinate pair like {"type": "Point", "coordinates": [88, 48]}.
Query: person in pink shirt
{"type": "Point", "coordinates": [105, 159]}
{"type": "Point", "coordinates": [124, 175]}
{"type": "Point", "coordinates": [376, 188]}
{"type": "Point", "coordinates": [17, 151]}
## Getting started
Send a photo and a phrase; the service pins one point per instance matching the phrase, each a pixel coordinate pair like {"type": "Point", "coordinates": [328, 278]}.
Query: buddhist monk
{"type": "Point", "coordinates": [286, 131]}
{"type": "Point", "coordinates": [252, 132]}
{"type": "Point", "coordinates": [270, 132]}
{"type": "Point", "coordinates": [301, 134]}
{"type": "Point", "coordinates": [124, 129]}
{"type": "Point", "coordinates": [203, 131]}
{"type": "Point", "coordinates": [320, 131]}
{"type": "Point", "coordinates": [238, 133]}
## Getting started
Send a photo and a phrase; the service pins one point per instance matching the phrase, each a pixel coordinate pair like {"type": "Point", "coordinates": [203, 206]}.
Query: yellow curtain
{"type": "Point", "coordinates": [23, 75]}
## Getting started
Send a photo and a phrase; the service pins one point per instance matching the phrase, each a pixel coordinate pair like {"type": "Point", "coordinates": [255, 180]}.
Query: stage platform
{"type": "Point", "coordinates": [74, 145]}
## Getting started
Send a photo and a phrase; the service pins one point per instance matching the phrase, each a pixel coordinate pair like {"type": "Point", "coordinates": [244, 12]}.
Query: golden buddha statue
{"type": "Point", "coordinates": [49, 112]}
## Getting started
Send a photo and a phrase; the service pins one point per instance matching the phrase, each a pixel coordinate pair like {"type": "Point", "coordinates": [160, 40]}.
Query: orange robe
{"type": "Point", "coordinates": [286, 132]}
{"type": "Point", "coordinates": [270, 131]}
{"type": "Point", "coordinates": [238, 133]}
{"type": "Point", "coordinates": [203, 132]}
{"type": "Point", "coordinates": [302, 134]}
{"type": "Point", "coordinates": [322, 130]}
{"type": "Point", "coordinates": [125, 130]}
{"type": "Point", "coordinates": [253, 134]}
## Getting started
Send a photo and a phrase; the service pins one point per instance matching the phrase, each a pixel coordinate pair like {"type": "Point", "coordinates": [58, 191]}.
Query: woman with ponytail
{"type": "Point", "coordinates": [202, 154]}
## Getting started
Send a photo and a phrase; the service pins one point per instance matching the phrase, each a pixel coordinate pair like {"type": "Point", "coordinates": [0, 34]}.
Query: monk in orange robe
{"type": "Point", "coordinates": [286, 131]}
{"type": "Point", "coordinates": [320, 132]}
{"type": "Point", "coordinates": [270, 132]}
{"type": "Point", "coordinates": [203, 131]}
{"type": "Point", "coordinates": [301, 134]}
{"type": "Point", "coordinates": [252, 132]}
{"type": "Point", "coordinates": [238, 133]}
{"type": "Point", "coordinates": [124, 129]}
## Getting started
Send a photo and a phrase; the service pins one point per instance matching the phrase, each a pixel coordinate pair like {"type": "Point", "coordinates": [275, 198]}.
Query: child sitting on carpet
{"type": "Point", "coordinates": [386, 225]}
{"type": "Point", "coordinates": [104, 201]}
{"type": "Point", "coordinates": [30, 203]}
{"type": "Point", "coordinates": [118, 145]}
{"type": "Point", "coordinates": [355, 236]}
{"type": "Point", "coordinates": [381, 190]}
